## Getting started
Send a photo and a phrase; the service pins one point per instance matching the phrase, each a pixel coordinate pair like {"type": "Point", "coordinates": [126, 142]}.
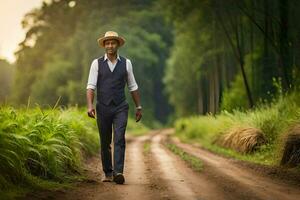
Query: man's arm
{"type": "Point", "coordinates": [136, 98]}
{"type": "Point", "coordinates": [91, 86]}
{"type": "Point", "coordinates": [133, 88]}
{"type": "Point", "coordinates": [90, 100]}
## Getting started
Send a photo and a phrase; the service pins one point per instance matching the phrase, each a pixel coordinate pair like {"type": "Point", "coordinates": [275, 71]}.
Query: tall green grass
{"type": "Point", "coordinates": [273, 119]}
{"type": "Point", "coordinates": [37, 145]}
{"type": "Point", "coordinates": [42, 148]}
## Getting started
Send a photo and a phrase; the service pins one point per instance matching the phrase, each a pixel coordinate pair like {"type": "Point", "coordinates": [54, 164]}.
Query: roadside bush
{"type": "Point", "coordinates": [44, 143]}
{"type": "Point", "coordinates": [271, 121]}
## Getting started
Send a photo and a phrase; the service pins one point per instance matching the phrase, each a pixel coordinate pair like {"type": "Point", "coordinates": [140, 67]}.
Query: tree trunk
{"type": "Point", "coordinates": [284, 44]}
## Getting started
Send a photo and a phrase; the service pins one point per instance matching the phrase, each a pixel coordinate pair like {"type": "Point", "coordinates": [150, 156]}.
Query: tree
{"type": "Point", "coordinates": [6, 77]}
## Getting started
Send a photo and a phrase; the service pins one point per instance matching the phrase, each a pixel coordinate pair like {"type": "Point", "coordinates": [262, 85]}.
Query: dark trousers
{"type": "Point", "coordinates": [112, 117]}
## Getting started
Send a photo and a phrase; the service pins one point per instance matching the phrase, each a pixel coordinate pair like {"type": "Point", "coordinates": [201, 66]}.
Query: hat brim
{"type": "Point", "coordinates": [120, 39]}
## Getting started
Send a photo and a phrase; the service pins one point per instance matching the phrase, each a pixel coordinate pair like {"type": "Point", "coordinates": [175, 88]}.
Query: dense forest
{"type": "Point", "coordinates": [189, 57]}
{"type": "Point", "coordinates": [234, 54]}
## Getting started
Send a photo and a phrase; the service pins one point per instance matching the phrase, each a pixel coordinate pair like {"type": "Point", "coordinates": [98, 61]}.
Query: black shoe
{"type": "Point", "coordinates": [119, 178]}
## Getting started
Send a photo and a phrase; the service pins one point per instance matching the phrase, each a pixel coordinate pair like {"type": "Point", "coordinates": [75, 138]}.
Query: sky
{"type": "Point", "coordinates": [11, 32]}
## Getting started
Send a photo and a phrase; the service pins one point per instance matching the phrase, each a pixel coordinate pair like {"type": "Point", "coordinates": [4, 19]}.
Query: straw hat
{"type": "Point", "coordinates": [110, 35]}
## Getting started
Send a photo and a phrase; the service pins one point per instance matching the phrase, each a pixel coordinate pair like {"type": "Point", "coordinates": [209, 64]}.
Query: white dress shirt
{"type": "Point", "coordinates": [93, 76]}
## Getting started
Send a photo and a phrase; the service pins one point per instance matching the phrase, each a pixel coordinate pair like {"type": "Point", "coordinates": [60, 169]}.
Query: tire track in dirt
{"type": "Point", "coordinates": [182, 181]}
{"type": "Point", "coordinates": [245, 181]}
{"type": "Point", "coordinates": [169, 173]}
{"type": "Point", "coordinates": [185, 183]}
{"type": "Point", "coordinates": [137, 183]}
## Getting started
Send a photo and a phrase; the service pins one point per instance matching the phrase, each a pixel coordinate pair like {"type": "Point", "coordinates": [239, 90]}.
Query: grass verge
{"type": "Point", "coordinates": [191, 160]}
{"type": "Point", "coordinates": [146, 147]}
{"type": "Point", "coordinates": [273, 120]}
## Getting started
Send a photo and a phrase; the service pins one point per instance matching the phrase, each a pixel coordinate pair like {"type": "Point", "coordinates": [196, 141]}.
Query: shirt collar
{"type": "Point", "coordinates": [105, 57]}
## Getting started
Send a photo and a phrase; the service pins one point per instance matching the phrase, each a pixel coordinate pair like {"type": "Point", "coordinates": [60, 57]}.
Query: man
{"type": "Point", "coordinates": [108, 76]}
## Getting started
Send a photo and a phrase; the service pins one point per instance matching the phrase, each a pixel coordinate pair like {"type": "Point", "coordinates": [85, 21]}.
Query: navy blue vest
{"type": "Point", "coordinates": [111, 85]}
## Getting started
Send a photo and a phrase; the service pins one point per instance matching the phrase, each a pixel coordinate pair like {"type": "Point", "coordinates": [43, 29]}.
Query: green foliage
{"type": "Point", "coordinates": [193, 59]}
{"type": "Point", "coordinates": [147, 147]}
{"type": "Point", "coordinates": [65, 43]}
{"type": "Point", "coordinates": [229, 36]}
{"type": "Point", "coordinates": [205, 128]}
{"type": "Point", "coordinates": [272, 119]}
{"type": "Point", "coordinates": [45, 148]}
{"type": "Point", "coordinates": [51, 83]}
{"type": "Point", "coordinates": [47, 144]}
{"type": "Point", "coordinates": [6, 79]}
{"type": "Point", "coordinates": [182, 73]}
{"type": "Point", "coordinates": [194, 162]}
{"type": "Point", "coordinates": [235, 97]}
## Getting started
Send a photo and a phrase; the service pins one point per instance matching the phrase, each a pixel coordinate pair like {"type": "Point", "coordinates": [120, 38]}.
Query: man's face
{"type": "Point", "coordinates": [111, 46]}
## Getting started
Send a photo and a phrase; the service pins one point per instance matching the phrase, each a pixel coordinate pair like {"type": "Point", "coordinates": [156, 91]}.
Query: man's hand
{"type": "Point", "coordinates": [91, 112]}
{"type": "Point", "coordinates": [136, 98]}
{"type": "Point", "coordinates": [90, 98]}
{"type": "Point", "coordinates": [138, 115]}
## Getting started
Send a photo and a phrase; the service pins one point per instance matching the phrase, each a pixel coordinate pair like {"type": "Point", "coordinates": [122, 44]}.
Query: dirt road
{"type": "Point", "coordinates": [158, 174]}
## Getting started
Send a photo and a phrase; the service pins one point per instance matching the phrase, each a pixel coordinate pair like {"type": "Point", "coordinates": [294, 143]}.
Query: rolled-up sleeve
{"type": "Point", "coordinates": [93, 75]}
{"type": "Point", "coordinates": [131, 83]}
